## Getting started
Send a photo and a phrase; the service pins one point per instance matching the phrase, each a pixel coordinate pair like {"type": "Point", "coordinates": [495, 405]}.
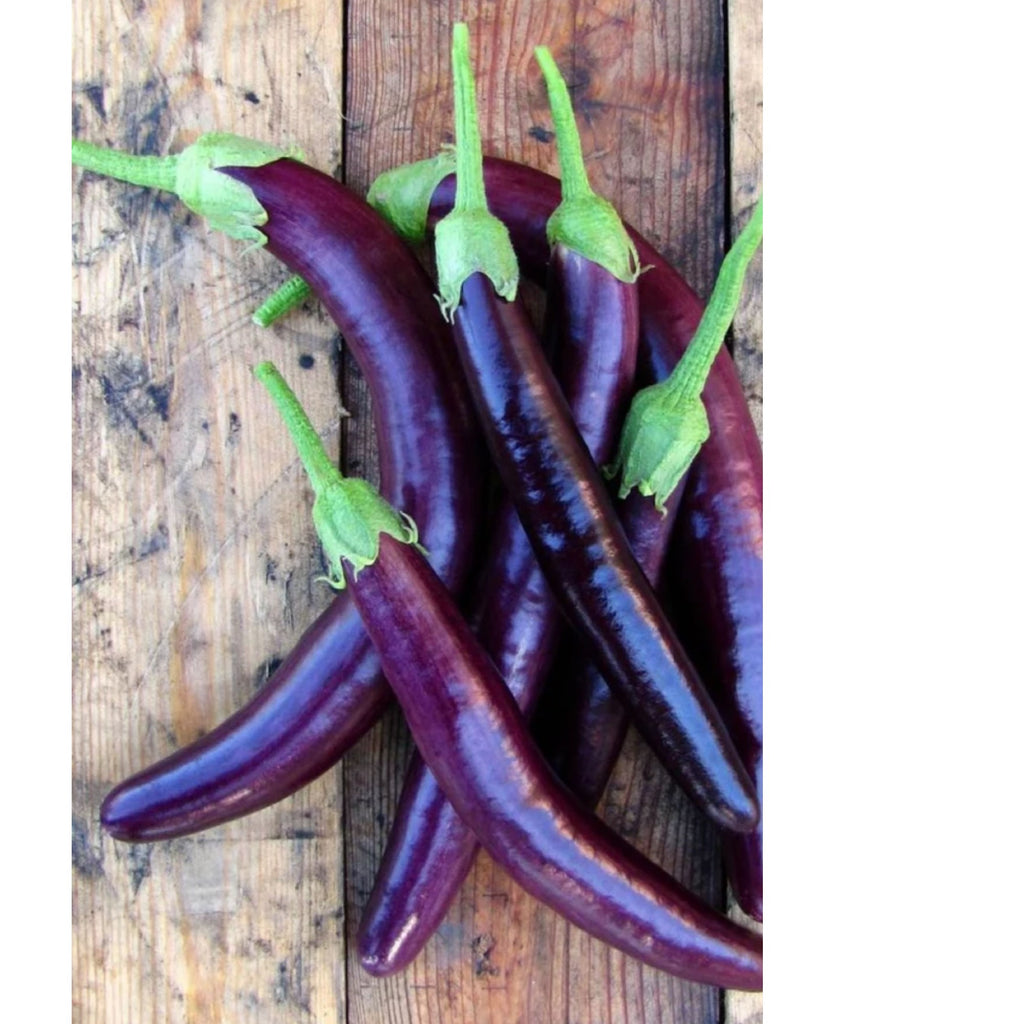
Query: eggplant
{"type": "Point", "coordinates": [665, 428]}
{"type": "Point", "coordinates": [329, 690]}
{"type": "Point", "coordinates": [716, 550]}
{"type": "Point", "coordinates": [476, 742]}
{"type": "Point", "coordinates": [561, 497]}
{"type": "Point", "coordinates": [591, 330]}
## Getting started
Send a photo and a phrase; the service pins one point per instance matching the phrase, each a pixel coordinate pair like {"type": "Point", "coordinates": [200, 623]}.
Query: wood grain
{"type": "Point", "coordinates": [193, 560]}
{"type": "Point", "coordinates": [745, 167]}
{"type": "Point", "coordinates": [191, 573]}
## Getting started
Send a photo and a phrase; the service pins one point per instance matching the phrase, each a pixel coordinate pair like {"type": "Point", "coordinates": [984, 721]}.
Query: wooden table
{"type": "Point", "coordinates": [194, 561]}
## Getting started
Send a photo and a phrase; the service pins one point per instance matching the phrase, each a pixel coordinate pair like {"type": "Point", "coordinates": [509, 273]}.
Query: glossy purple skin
{"type": "Point", "coordinates": [330, 689]}
{"type": "Point", "coordinates": [720, 560]}
{"type": "Point", "coordinates": [591, 332]}
{"type": "Point", "coordinates": [566, 510]}
{"type": "Point", "coordinates": [475, 740]}
{"type": "Point", "coordinates": [720, 521]}
{"type": "Point", "coordinates": [716, 564]}
{"type": "Point", "coordinates": [582, 723]}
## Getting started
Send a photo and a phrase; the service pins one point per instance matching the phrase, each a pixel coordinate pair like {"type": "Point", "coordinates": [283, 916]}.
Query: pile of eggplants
{"type": "Point", "coordinates": [554, 606]}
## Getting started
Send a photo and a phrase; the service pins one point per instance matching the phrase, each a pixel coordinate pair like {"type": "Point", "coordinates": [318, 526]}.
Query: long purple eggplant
{"type": "Point", "coordinates": [580, 723]}
{"type": "Point", "coordinates": [665, 427]}
{"type": "Point", "coordinates": [561, 497]}
{"type": "Point", "coordinates": [719, 526]}
{"type": "Point", "coordinates": [591, 330]}
{"type": "Point", "coordinates": [475, 741]}
{"type": "Point", "coordinates": [330, 689]}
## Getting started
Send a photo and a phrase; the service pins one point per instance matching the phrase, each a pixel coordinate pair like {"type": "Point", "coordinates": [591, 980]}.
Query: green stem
{"type": "Point", "coordinates": [667, 422]}
{"type": "Point", "coordinates": [690, 374]}
{"type": "Point", "coordinates": [567, 139]}
{"type": "Point", "coordinates": [193, 176]}
{"type": "Point", "coordinates": [470, 240]}
{"type": "Point", "coordinates": [148, 171]}
{"type": "Point", "coordinates": [349, 514]}
{"type": "Point", "coordinates": [584, 222]}
{"type": "Point", "coordinates": [292, 293]}
{"type": "Point", "coordinates": [321, 470]}
{"type": "Point", "coordinates": [469, 158]}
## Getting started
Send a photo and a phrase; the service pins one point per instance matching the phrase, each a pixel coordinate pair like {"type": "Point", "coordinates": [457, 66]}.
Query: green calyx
{"type": "Point", "coordinates": [193, 176]}
{"type": "Point", "coordinates": [349, 514]}
{"type": "Point", "coordinates": [667, 422]}
{"type": "Point", "coordinates": [591, 226]}
{"type": "Point", "coordinates": [402, 195]}
{"type": "Point", "coordinates": [470, 240]}
{"type": "Point", "coordinates": [473, 242]}
{"type": "Point", "coordinates": [660, 439]}
{"type": "Point", "coordinates": [584, 222]}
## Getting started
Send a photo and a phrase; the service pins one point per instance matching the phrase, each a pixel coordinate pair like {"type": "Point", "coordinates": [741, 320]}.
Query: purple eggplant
{"type": "Point", "coordinates": [581, 725]}
{"type": "Point", "coordinates": [330, 689]}
{"type": "Point", "coordinates": [719, 525]}
{"type": "Point", "coordinates": [591, 330]}
{"type": "Point", "coordinates": [475, 741]}
{"type": "Point", "coordinates": [666, 426]}
{"type": "Point", "coordinates": [561, 497]}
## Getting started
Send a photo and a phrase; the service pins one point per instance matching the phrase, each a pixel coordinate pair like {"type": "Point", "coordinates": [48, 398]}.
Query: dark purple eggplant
{"type": "Point", "coordinates": [475, 741]}
{"type": "Point", "coordinates": [329, 690]}
{"type": "Point", "coordinates": [581, 725]}
{"type": "Point", "coordinates": [665, 427]}
{"type": "Point", "coordinates": [561, 497]}
{"type": "Point", "coordinates": [591, 330]}
{"type": "Point", "coordinates": [719, 527]}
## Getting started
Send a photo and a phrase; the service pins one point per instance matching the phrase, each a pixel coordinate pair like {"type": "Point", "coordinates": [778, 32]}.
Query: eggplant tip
{"type": "Point", "coordinates": [378, 966]}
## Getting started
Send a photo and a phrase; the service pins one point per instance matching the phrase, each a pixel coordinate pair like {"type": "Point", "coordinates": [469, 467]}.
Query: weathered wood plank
{"type": "Point", "coordinates": [190, 571]}
{"type": "Point", "coordinates": [745, 167]}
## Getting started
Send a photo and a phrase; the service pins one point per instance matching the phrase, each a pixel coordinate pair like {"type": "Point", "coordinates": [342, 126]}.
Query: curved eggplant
{"type": "Point", "coordinates": [476, 742]}
{"type": "Point", "coordinates": [330, 690]}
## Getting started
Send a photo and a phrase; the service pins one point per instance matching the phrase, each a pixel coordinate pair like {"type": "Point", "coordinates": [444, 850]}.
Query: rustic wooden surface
{"type": "Point", "coordinates": [194, 563]}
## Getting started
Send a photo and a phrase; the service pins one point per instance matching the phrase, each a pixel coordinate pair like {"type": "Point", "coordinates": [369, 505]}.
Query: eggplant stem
{"type": "Point", "coordinates": [402, 195]}
{"type": "Point", "coordinates": [147, 171]}
{"type": "Point", "coordinates": [687, 379]}
{"type": "Point", "coordinates": [319, 467]}
{"type": "Point", "coordinates": [469, 158]}
{"type": "Point", "coordinates": [470, 240]}
{"type": "Point", "coordinates": [575, 182]}
{"type": "Point", "coordinates": [349, 514]}
{"type": "Point", "coordinates": [584, 221]}
{"type": "Point", "coordinates": [287, 297]}
{"type": "Point", "coordinates": [667, 423]}
{"type": "Point", "coordinates": [193, 176]}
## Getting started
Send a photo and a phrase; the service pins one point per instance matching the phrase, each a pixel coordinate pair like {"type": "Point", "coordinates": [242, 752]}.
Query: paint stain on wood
{"type": "Point", "coordinates": [290, 986]}
{"type": "Point", "coordinates": [138, 865]}
{"type": "Point", "coordinates": [94, 93]}
{"type": "Point", "coordinates": [156, 542]}
{"type": "Point", "coordinates": [86, 859]}
{"type": "Point", "coordinates": [265, 671]}
{"type": "Point", "coordinates": [482, 947]}
{"type": "Point", "coordinates": [146, 115]}
{"type": "Point", "coordinates": [131, 397]}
